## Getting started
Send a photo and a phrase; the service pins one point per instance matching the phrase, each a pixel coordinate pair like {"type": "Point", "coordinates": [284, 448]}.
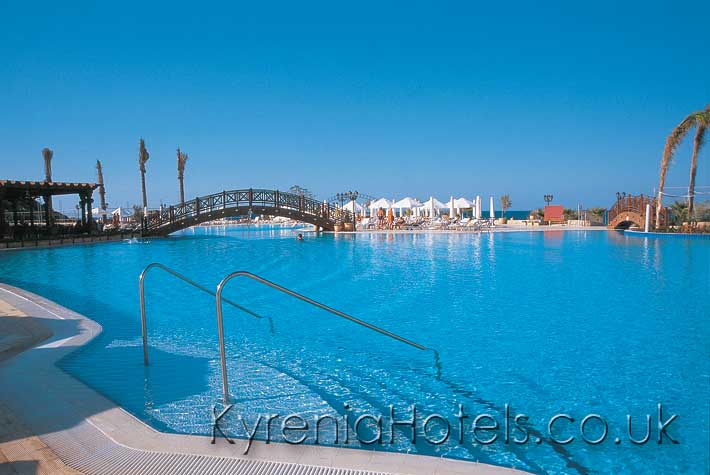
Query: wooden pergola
{"type": "Point", "coordinates": [15, 192]}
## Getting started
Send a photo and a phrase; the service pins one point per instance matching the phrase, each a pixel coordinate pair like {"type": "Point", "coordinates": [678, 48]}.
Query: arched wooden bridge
{"type": "Point", "coordinates": [240, 203]}
{"type": "Point", "coordinates": [629, 211]}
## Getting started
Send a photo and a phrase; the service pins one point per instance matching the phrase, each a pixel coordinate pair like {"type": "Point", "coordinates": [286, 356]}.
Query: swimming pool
{"type": "Point", "coordinates": [550, 323]}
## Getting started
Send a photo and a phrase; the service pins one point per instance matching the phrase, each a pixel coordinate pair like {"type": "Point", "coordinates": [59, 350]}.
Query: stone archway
{"type": "Point", "coordinates": [625, 220]}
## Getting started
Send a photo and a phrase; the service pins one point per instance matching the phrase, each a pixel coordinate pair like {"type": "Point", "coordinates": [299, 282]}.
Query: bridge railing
{"type": "Point", "coordinates": [249, 198]}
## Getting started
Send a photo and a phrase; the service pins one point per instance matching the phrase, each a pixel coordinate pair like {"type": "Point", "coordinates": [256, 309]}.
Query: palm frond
{"type": "Point", "coordinates": [700, 136]}
{"type": "Point", "coordinates": [677, 136]}
{"type": "Point", "coordinates": [699, 118]}
{"type": "Point", "coordinates": [700, 133]}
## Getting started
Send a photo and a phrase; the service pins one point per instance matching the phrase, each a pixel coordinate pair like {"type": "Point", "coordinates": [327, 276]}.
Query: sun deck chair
{"type": "Point", "coordinates": [487, 224]}
{"type": "Point", "coordinates": [453, 224]}
{"type": "Point", "coordinates": [472, 225]}
{"type": "Point", "coordinates": [437, 223]}
{"type": "Point", "coordinates": [459, 224]}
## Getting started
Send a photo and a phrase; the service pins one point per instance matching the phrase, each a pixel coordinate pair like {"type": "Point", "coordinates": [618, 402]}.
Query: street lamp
{"type": "Point", "coordinates": [548, 199]}
{"type": "Point", "coordinates": [340, 198]}
{"type": "Point", "coordinates": [348, 196]}
{"type": "Point", "coordinates": [353, 197]}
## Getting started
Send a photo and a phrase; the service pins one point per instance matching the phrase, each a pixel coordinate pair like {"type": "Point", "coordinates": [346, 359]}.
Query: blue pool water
{"type": "Point", "coordinates": [549, 323]}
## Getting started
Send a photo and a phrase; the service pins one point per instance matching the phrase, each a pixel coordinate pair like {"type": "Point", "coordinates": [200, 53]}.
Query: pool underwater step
{"type": "Point", "coordinates": [330, 400]}
{"type": "Point", "coordinates": [220, 330]}
{"type": "Point", "coordinates": [303, 298]}
{"type": "Point", "coordinates": [93, 435]}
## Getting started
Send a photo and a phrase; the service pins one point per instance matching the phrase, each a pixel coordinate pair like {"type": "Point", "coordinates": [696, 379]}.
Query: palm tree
{"type": "Point", "coordinates": [47, 154]}
{"type": "Point", "coordinates": [598, 213]}
{"type": "Point", "coordinates": [102, 189]}
{"type": "Point", "coordinates": [143, 157]}
{"type": "Point", "coordinates": [700, 120]}
{"type": "Point", "coordinates": [569, 214]}
{"type": "Point", "coordinates": [300, 191]}
{"type": "Point", "coordinates": [505, 204]}
{"type": "Point", "coordinates": [698, 142]}
{"type": "Point", "coordinates": [181, 160]}
{"type": "Point", "coordinates": [679, 213]}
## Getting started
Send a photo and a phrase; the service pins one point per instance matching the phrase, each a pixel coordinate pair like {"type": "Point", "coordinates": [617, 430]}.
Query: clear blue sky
{"type": "Point", "coordinates": [393, 99]}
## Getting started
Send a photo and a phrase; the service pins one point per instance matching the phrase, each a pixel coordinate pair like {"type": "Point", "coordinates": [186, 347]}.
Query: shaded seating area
{"type": "Point", "coordinates": [24, 216]}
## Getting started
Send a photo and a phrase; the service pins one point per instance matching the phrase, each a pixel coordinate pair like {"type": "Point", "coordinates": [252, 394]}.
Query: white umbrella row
{"type": "Point", "coordinates": [430, 208]}
{"type": "Point", "coordinates": [406, 203]}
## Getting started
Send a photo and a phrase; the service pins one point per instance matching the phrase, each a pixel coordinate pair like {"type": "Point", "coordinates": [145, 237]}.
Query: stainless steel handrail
{"type": "Point", "coordinates": [220, 328]}
{"type": "Point", "coordinates": [141, 293]}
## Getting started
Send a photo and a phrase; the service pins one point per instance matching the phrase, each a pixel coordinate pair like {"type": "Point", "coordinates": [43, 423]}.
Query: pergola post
{"type": "Point", "coordinates": [89, 212]}
{"type": "Point", "coordinates": [31, 205]}
{"type": "Point", "coordinates": [47, 211]}
{"type": "Point", "coordinates": [2, 215]}
{"type": "Point", "coordinates": [14, 212]}
{"type": "Point", "coordinates": [82, 206]}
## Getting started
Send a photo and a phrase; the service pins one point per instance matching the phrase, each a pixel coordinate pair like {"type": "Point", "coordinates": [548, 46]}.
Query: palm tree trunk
{"type": "Point", "coordinates": [48, 154]}
{"type": "Point", "coordinates": [661, 184]}
{"type": "Point", "coordinates": [143, 157]}
{"type": "Point", "coordinates": [182, 191]}
{"type": "Point", "coordinates": [181, 161]}
{"type": "Point", "coordinates": [102, 190]}
{"type": "Point", "coordinates": [697, 143]}
{"type": "Point", "coordinates": [671, 144]}
{"type": "Point", "coordinates": [145, 198]}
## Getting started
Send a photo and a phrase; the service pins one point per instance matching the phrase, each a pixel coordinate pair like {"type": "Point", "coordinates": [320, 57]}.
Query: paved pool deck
{"type": "Point", "coordinates": [500, 228]}
{"type": "Point", "coordinates": [57, 425]}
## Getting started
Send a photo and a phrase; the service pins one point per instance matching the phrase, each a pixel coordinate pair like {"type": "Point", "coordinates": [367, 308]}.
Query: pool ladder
{"type": "Point", "coordinates": [220, 328]}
